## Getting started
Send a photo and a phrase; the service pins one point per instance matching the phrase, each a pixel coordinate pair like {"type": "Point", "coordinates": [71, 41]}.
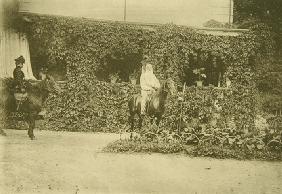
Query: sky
{"type": "Point", "coordinates": [182, 12]}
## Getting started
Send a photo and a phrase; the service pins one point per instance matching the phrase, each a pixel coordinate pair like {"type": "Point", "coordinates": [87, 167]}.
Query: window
{"type": "Point", "coordinates": [207, 67]}
{"type": "Point", "coordinates": [40, 65]}
{"type": "Point", "coordinates": [118, 67]}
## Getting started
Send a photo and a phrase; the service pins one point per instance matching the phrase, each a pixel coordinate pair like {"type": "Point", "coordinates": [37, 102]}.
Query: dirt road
{"type": "Point", "coordinates": [61, 162]}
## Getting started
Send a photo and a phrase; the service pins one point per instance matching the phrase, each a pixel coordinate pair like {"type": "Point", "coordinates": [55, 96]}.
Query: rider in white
{"type": "Point", "coordinates": [148, 82]}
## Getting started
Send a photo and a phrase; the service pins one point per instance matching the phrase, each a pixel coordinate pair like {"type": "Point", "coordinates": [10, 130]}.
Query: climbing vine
{"type": "Point", "coordinates": [88, 48]}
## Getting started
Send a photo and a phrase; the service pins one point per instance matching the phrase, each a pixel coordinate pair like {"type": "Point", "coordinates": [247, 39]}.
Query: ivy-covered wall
{"type": "Point", "coordinates": [84, 47]}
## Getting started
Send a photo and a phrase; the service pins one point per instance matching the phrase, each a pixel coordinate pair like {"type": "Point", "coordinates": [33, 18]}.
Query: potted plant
{"type": "Point", "coordinates": [201, 76]}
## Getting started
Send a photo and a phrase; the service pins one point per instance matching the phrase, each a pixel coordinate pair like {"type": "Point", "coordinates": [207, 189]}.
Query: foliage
{"type": "Point", "coordinates": [264, 10]}
{"type": "Point", "coordinates": [144, 146]}
{"type": "Point", "coordinates": [202, 122]}
{"type": "Point", "coordinates": [99, 106]}
{"type": "Point", "coordinates": [241, 154]}
{"type": "Point", "coordinates": [215, 151]}
{"type": "Point", "coordinates": [88, 48]}
{"type": "Point", "coordinates": [264, 17]}
{"type": "Point", "coordinates": [268, 69]}
{"type": "Point", "coordinates": [211, 106]}
{"type": "Point", "coordinates": [93, 51]}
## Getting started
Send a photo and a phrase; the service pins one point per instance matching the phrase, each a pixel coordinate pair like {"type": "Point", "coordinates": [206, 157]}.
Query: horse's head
{"type": "Point", "coordinates": [51, 85]}
{"type": "Point", "coordinates": [168, 87]}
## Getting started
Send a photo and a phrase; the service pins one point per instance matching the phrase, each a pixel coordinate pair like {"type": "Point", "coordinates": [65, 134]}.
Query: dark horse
{"type": "Point", "coordinates": [36, 95]}
{"type": "Point", "coordinates": [155, 106]}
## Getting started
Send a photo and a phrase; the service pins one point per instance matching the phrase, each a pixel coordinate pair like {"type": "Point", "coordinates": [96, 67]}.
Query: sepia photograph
{"type": "Point", "coordinates": [141, 97]}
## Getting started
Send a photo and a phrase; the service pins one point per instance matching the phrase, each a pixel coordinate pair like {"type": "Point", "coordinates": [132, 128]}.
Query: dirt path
{"type": "Point", "coordinates": [61, 162]}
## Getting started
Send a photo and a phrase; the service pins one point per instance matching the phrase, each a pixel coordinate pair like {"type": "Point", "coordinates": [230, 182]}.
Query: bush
{"type": "Point", "coordinates": [214, 151]}
{"type": "Point", "coordinates": [85, 46]}
{"type": "Point", "coordinates": [99, 106]}
{"type": "Point", "coordinates": [144, 146]}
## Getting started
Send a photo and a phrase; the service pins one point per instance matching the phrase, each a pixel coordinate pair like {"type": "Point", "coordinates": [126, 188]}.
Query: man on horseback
{"type": "Point", "coordinates": [148, 82]}
{"type": "Point", "coordinates": [21, 85]}
{"type": "Point", "coordinates": [19, 75]}
{"type": "Point", "coordinates": [19, 81]}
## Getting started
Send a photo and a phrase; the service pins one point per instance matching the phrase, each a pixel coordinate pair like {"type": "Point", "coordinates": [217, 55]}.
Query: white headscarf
{"type": "Point", "coordinates": [143, 69]}
{"type": "Point", "coordinates": [148, 80]}
{"type": "Point", "coordinates": [149, 69]}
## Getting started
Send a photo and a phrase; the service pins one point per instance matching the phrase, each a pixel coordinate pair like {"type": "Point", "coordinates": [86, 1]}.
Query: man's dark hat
{"type": "Point", "coordinates": [20, 59]}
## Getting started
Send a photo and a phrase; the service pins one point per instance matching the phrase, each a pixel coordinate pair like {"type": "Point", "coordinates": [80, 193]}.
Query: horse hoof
{"type": "Point", "coordinates": [39, 117]}
{"type": "Point", "coordinates": [32, 138]}
{"type": "Point", "coordinates": [3, 133]}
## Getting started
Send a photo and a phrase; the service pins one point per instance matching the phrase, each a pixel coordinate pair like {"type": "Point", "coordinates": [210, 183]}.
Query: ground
{"type": "Point", "coordinates": [63, 162]}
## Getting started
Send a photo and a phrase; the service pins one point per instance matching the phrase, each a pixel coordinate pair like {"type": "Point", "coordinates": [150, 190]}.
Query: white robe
{"type": "Point", "coordinates": [149, 83]}
{"type": "Point", "coordinates": [148, 80]}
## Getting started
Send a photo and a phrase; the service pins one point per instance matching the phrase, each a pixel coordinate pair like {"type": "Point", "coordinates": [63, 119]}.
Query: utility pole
{"type": "Point", "coordinates": [124, 14]}
{"type": "Point", "coordinates": [230, 12]}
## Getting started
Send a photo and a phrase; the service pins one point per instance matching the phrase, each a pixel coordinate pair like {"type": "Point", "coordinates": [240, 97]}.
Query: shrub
{"type": "Point", "coordinates": [85, 47]}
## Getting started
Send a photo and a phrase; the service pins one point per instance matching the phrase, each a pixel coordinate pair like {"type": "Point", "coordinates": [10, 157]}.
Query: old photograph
{"type": "Point", "coordinates": [141, 97]}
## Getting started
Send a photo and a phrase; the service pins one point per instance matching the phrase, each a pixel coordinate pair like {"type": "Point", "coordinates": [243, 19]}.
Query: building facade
{"type": "Point", "coordinates": [181, 12]}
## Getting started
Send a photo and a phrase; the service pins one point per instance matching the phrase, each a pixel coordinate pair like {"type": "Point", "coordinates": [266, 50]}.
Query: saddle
{"type": "Point", "coordinates": [20, 98]}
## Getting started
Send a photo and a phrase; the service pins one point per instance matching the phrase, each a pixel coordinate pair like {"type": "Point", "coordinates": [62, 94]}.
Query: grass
{"type": "Point", "coordinates": [142, 146]}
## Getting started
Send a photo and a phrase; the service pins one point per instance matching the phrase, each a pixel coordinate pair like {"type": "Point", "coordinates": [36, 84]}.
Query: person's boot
{"type": "Point", "coordinates": [42, 112]}
{"type": "Point", "coordinates": [143, 111]}
{"type": "Point", "coordinates": [17, 105]}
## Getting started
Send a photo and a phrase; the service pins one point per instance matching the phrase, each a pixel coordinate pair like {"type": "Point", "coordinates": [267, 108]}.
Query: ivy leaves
{"type": "Point", "coordinates": [84, 45]}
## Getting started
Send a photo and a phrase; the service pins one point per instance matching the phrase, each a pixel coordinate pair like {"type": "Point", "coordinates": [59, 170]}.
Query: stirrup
{"type": "Point", "coordinates": [143, 113]}
{"type": "Point", "coordinates": [18, 105]}
{"type": "Point", "coordinates": [20, 96]}
{"type": "Point", "coordinates": [147, 106]}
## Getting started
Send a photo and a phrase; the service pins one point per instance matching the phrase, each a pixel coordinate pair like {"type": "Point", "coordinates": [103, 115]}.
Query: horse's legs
{"type": "Point", "coordinates": [131, 121]}
{"type": "Point", "coordinates": [158, 121]}
{"type": "Point", "coordinates": [31, 125]}
{"type": "Point", "coordinates": [141, 118]}
{"type": "Point", "coordinates": [30, 129]}
{"type": "Point", "coordinates": [152, 120]}
{"type": "Point", "coordinates": [139, 122]}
